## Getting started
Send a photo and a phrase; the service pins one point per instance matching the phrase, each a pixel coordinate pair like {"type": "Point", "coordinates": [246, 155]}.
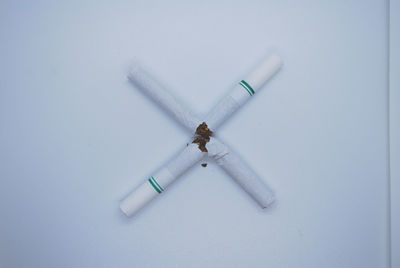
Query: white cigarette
{"type": "Point", "coordinates": [241, 173]}
{"type": "Point", "coordinates": [229, 161]}
{"type": "Point", "coordinates": [156, 184]}
{"type": "Point", "coordinates": [243, 91]}
{"type": "Point", "coordinates": [162, 97]}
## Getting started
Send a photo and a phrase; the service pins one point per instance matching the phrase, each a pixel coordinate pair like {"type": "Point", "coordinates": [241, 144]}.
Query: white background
{"type": "Point", "coordinates": [76, 137]}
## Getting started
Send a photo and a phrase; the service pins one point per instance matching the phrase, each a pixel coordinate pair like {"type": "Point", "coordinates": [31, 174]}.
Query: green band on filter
{"type": "Point", "coordinates": [154, 186]}
{"type": "Point", "coordinates": [248, 91]}
{"type": "Point", "coordinates": [159, 186]}
{"type": "Point", "coordinates": [248, 88]}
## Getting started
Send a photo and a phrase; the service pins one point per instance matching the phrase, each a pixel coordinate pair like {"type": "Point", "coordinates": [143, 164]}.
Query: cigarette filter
{"type": "Point", "coordinates": [156, 184]}
{"type": "Point", "coordinates": [243, 91]}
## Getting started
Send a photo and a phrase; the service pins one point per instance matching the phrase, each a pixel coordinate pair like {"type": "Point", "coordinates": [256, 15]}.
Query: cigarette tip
{"type": "Point", "coordinates": [269, 203]}
{"type": "Point", "coordinates": [124, 209]}
{"type": "Point", "coordinates": [276, 59]}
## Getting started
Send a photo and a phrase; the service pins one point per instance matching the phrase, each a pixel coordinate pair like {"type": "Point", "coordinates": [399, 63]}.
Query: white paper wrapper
{"type": "Point", "coordinates": [243, 91]}
{"type": "Point", "coordinates": [229, 161]}
{"type": "Point", "coordinates": [241, 173]}
{"type": "Point", "coordinates": [156, 184]}
{"type": "Point", "coordinates": [224, 109]}
{"type": "Point", "coordinates": [162, 97]}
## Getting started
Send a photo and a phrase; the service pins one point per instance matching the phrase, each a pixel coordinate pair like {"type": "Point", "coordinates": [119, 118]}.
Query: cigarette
{"type": "Point", "coordinates": [229, 161]}
{"type": "Point", "coordinates": [234, 166]}
{"type": "Point", "coordinates": [240, 94]}
{"type": "Point", "coordinates": [153, 89]}
{"type": "Point", "coordinates": [243, 91]}
{"type": "Point", "coordinates": [156, 184]}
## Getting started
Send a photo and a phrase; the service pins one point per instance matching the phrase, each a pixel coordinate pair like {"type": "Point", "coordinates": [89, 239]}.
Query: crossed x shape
{"type": "Point", "coordinates": [205, 142]}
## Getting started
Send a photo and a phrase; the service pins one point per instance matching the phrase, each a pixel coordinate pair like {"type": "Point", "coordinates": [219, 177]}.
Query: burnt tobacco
{"type": "Point", "coordinates": [202, 136]}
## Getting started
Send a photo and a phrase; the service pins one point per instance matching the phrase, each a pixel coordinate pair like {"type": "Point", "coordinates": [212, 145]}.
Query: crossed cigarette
{"type": "Point", "coordinates": [205, 142]}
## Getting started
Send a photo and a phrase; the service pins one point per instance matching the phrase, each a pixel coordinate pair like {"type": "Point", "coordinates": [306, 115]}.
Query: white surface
{"type": "Point", "coordinates": [75, 136]}
{"type": "Point", "coordinates": [395, 129]}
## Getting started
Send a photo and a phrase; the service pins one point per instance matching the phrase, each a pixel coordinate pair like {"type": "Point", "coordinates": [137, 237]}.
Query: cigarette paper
{"type": "Point", "coordinates": [243, 91]}
{"type": "Point", "coordinates": [156, 184]}
{"type": "Point", "coordinates": [241, 173]}
{"type": "Point", "coordinates": [162, 97]}
{"type": "Point", "coordinates": [229, 161]}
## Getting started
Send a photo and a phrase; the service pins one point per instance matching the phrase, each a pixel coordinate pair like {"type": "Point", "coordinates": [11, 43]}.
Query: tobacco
{"type": "Point", "coordinates": [202, 136]}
